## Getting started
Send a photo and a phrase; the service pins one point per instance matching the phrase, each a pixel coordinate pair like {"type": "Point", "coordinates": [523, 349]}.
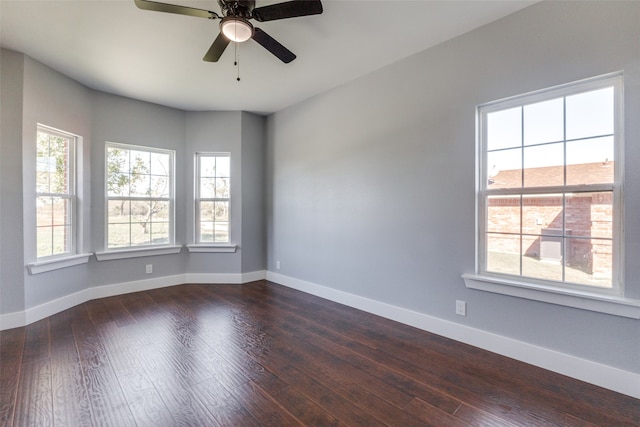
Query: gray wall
{"type": "Point", "coordinates": [127, 121]}
{"type": "Point", "coordinates": [371, 185]}
{"type": "Point", "coordinates": [11, 246]}
{"type": "Point", "coordinates": [53, 99]}
{"type": "Point", "coordinates": [253, 221]}
{"type": "Point", "coordinates": [216, 132]}
{"type": "Point", "coordinates": [33, 93]}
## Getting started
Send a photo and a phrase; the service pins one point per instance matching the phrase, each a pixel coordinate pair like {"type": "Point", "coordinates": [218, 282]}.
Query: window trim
{"type": "Point", "coordinates": [141, 250]}
{"type": "Point", "coordinates": [610, 300]}
{"type": "Point", "coordinates": [200, 246]}
{"type": "Point", "coordinates": [58, 263]}
{"type": "Point", "coordinates": [601, 303]}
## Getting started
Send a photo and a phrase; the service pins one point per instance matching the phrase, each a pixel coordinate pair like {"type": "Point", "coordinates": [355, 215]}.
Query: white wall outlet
{"type": "Point", "coordinates": [149, 268]}
{"type": "Point", "coordinates": [277, 265]}
{"type": "Point", "coordinates": [461, 308]}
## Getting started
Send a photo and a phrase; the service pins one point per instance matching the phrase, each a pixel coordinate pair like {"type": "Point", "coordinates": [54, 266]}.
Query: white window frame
{"type": "Point", "coordinates": [140, 250]}
{"type": "Point", "coordinates": [609, 300]}
{"type": "Point", "coordinates": [199, 245]}
{"type": "Point", "coordinates": [71, 195]}
{"type": "Point", "coordinates": [72, 257]}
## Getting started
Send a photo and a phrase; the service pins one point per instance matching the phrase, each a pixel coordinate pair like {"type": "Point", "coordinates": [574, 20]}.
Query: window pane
{"type": "Point", "coordinates": [118, 184]}
{"type": "Point", "coordinates": [42, 180]}
{"type": "Point", "coordinates": [160, 164]}
{"type": "Point", "coordinates": [222, 211]}
{"type": "Point", "coordinates": [160, 210]}
{"type": "Point", "coordinates": [117, 161]}
{"type": "Point", "coordinates": [159, 233]}
{"type": "Point", "coordinates": [590, 214]}
{"type": "Point", "coordinates": [589, 262]}
{"type": "Point", "coordinates": [140, 162]}
{"type": "Point", "coordinates": [118, 235]}
{"type": "Point", "coordinates": [61, 240]}
{"type": "Point", "coordinates": [504, 129]}
{"type": "Point", "coordinates": [119, 211]}
{"type": "Point", "coordinates": [44, 211]}
{"type": "Point", "coordinates": [590, 161]}
{"type": "Point", "coordinates": [544, 122]}
{"type": "Point", "coordinates": [503, 253]}
{"type": "Point", "coordinates": [59, 152]}
{"type": "Point", "coordinates": [206, 211]}
{"type": "Point", "coordinates": [61, 211]}
{"type": "Point", "coordinates": [544, 165]}
{"type": "Point", "coordinates": [534, 266]}
{"type": "Point", "coordinates": [140, 233]}
{"type": "Point", "coordinates": [503, 214]}
{"type": "Point", "coordinates": [223, 166]}
{"type": "Point", "coordinates": [207, 166]}
{"type": "Point", "coordinates": [590, 114]}
{"type": "Point", "coordinates": [45, 163]}
{"type": "Point", "coordinates": [206, 232]}
{"type": "Point", "coordinates": [504, 168]}
{"type": "Point", "coordinates": [222, 188]}
{"type": "Point", "coordinates": [540, 213]}
{"type": "Point", "coordinates": [221, 232]}
{"type": "Point", "coordinates": [140, 185]}
{"type": "Point", "coordinates": [140, 210]}
{"type": "Point", "coordinates": [44, 242]}
{"type": "Point", "coordinates": [159, 186]}
{"type": "Point", "coordinates": [207, 188]}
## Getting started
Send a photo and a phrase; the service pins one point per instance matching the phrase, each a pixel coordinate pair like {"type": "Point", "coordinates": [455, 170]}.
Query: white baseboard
{"type": "Point", "coordinates": [609, 377]}
{"type": "Point", "coordinates": [49, 308]}
{"type": "Point", "coordinates": [215, 278]}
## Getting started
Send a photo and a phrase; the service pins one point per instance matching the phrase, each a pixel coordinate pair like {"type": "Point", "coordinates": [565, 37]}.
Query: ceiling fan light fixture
{"type": "Point", "coordinates": [236, 29]}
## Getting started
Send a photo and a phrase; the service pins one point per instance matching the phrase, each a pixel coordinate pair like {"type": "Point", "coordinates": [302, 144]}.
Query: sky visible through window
{"type": "Point", "coordinates": [540, 133]}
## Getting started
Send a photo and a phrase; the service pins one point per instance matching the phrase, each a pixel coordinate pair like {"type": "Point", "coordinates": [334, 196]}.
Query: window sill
{"type": "Point", "coordinates": [212, 248]}
{"type": "Point", "coordinates": [137, 252]}
{"type": "Point", "coordinates": [58, 263]}
{"type": "Point", "coordinates": [614, 305]}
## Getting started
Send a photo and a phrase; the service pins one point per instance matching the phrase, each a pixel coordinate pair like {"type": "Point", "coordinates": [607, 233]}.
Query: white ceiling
{"type": "Point", "coordinates": [112, 46]}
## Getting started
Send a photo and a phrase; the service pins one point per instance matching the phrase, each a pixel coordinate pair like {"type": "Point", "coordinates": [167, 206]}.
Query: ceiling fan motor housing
{"type": "Point", "coordinates": [239, 8]}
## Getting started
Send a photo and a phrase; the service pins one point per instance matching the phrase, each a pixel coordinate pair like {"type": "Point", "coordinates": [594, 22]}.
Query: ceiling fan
{"type": "Point", "coordinates": [235, 25]}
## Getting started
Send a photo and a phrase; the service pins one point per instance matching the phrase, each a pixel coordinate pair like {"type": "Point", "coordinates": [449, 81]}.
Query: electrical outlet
{"type": "Point", "coordinates": [461, 308]}
{"type": "Point", "coordinates": [277, 265]}
{"type": "Point", "coordinates": [149, 268]}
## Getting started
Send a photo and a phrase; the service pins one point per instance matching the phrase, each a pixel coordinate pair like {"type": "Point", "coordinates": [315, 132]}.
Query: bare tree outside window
{"type": "Point", "coordinates": [139, 196]}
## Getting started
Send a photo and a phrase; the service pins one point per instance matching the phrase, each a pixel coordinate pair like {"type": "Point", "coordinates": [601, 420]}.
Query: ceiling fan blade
{"type": "Point", "coordinates": [217, 48]}
{"type": "Point", "coordinates": [269, 43]}
{"type": "Point", "coordinates": [289, 9]}
{"type": "Point", "coordinates": [174, 8]}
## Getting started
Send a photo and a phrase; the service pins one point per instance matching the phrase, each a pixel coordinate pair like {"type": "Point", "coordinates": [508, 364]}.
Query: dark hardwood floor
{"type": "Point", "coordinates": [265, 355]}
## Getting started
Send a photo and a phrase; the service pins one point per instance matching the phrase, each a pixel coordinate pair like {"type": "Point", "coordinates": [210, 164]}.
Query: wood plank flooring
{"type": "Point", "coordinates": [264, 355]}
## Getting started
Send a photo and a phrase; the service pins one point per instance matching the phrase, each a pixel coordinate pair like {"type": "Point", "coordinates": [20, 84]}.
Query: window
{"type": "Point", "coordinates": [55, 193]}
{"type": "Point", "coordinates": [212, 197]}
{"type": "Point", "coordinates": [140, 209]}
{"type": "Point", "coordinates": [549, 191]}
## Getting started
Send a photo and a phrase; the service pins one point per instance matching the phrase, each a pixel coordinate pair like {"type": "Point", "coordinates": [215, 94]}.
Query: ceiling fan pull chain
{"type": "Point", "coordinates": [237, 61]}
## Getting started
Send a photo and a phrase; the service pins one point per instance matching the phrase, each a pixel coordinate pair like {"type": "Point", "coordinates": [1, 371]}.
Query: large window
{"type": "Point", "coordinates": [140, 208]}
{"type": "Point", "coordinates": [549, 199]}
{"type": "Point", "coordinates": [213, 172]}
{"type": "Point", "coordinates": [55, 193]}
